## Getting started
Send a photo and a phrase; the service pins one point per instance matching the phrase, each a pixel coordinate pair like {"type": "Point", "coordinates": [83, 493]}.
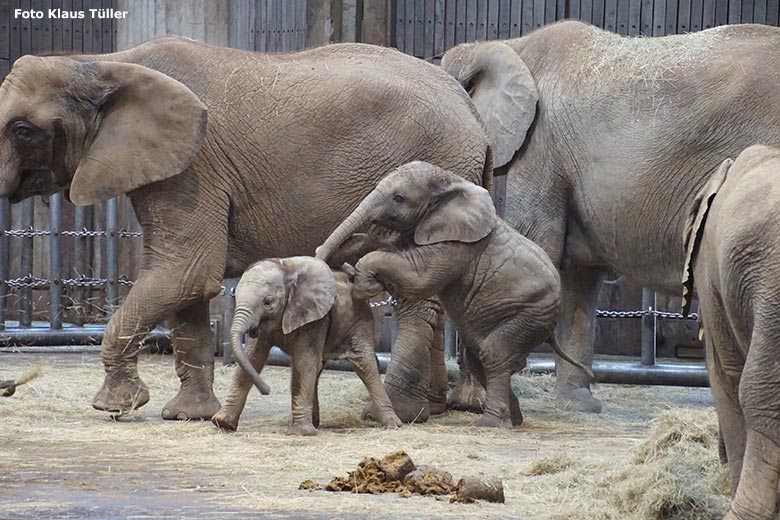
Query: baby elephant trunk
{"type": "Point", "coordinates": [237, 331]}
{"type": "Point", "coordinates": [563, 355]}
{"type": "Point", "coordinates": [352, 224]}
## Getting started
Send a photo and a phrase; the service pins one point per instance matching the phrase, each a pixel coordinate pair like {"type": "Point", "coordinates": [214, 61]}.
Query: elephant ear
{"type": "Point", "coordinates": [150, 128]}
{"type": "Point", "coordinates": [502, 89]}
{"type": "Point", "coordinates": [694, 228]}
{"type": "Point", "coordinates": [464, 212]}
{"type": "Point", "coordinates": [311, 291]}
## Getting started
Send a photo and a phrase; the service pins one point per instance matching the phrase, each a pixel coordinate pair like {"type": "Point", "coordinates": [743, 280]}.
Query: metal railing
{"type": "Point", "coordinates": [55, 332]}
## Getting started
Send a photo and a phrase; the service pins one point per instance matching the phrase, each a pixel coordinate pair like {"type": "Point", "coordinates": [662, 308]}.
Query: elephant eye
{"type": "Point", "coordinates": [268, 301]}
{"type": "Point", "coordinates": [399, 199]}
{"type": "Point", "coordinates": [22, 132]}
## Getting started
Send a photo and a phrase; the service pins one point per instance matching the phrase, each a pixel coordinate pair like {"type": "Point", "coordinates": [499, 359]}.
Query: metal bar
{"type": "Point", "coordinates": [25, 302]}
{"type": "Point", "coordinates": [450, 340]}
{"type": "Point", "coordinates": [277, 357]}
{"type": "Point", "coordinates": [55, 262]}
{"type": "Point", "coordinates": [648, 328]}
{"type": "Point", "coordinates": [228, 309]}
{"type": "Point", "coordinates": [79, 263]}
{"type": "Point", "coordinates": [5, 256]}
{"type": "Point", "coordinates": [111, 255]}
{"type": "Point", "coordinates": [90, 335]}
{"type": "Point", "coordinates": [635, 373]}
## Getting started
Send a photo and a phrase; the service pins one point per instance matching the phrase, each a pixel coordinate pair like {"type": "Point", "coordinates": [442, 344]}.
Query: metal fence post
{"type": "Point", "coordinates": [648, 328]}
{"type": "Point", "coordinates": [25, 303]}
{"type": "Point", "coordinates": [5, 256]}
{"type": "Point", "coordinates": [55, 262]}
{"type": "Point", "coordinates": [228, 309]}
{"type": "Point", "coordinates": [450, 340]}
{"type": "Point", "coordinates": [111, 255]}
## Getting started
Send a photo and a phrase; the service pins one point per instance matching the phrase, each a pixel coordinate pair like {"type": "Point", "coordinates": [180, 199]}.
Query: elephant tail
{"type": "Point", "coordinates": [487, 170]}
{"type": "Point", "coordinates": [563, 355]}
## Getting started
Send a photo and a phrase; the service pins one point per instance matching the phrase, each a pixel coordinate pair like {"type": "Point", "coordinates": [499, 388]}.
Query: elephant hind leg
{"type": "Point", "coordinates": [193, 346]}
{"type": "Point", "coordinates": [576, 327]}
{"type": "Point", "coordinates": [759, 397]}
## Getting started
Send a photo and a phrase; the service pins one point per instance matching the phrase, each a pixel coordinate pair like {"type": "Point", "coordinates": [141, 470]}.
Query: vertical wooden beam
{"type": "Point", "coordinates": [515, 18]}
{"type": "Point", "coordinates": [683, 16]}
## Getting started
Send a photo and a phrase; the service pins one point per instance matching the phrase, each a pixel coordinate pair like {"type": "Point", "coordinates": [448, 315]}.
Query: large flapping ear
{"type": "Point", "coordinates": [150, 128]}
{"type": "Point", "coordinates": [502, 89]}
{"type": "Point", "coordinates": [694, 227]}
{"type": "Point", "coordinates": [311, 291]}
{"type": "Point", "coordinates": [464, 212]}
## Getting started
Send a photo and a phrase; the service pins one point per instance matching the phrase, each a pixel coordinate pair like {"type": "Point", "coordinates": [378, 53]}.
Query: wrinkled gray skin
{"type": "Point", "coordinates": [499, 289]}
{"type": "Point", "coordinates": [733, 239]}
{"type": "Point", "coordinates": [290, 144]}
{"type": "Point", "coordinates": [606, 141]}
{"type": "Point", "coordinates": [302, 306]}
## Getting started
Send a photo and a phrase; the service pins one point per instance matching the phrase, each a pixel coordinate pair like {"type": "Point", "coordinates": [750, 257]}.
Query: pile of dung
{"type": "Point", "coordinates": [397, 473]}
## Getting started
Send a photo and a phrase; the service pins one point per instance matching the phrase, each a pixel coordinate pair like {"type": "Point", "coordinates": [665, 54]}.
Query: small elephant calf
{"type": "Point", "coordinates": [732, 240]}
{"type": "Point", "coordinates": [500, 289]}
{"type": "Point", "coordinates": [307, 309]}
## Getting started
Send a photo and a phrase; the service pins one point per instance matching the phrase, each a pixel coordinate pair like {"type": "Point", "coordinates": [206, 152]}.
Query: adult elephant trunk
{"type": "Point", "coordinates": [356, 220]}
{"type": "Point", "coordinates": [241, 324]}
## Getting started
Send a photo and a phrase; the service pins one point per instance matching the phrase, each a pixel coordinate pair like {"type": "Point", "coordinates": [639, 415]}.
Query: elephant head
{"type": "Point", "coordinates": [424, 203]}
{"type": "Point", "coordinates": [694, 227]}
{"type": "Point", "coordinates": [99, 128]}
{"type": "Point", "coordinates": [502, 89]}
{"type": "Point", "coordinates": [282, 294]}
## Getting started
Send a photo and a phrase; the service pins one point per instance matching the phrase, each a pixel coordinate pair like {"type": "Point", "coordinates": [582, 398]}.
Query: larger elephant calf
{"type": "Point", "coordinates": [501, 290]}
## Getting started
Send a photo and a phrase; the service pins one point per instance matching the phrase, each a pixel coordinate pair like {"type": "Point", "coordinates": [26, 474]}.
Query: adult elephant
{"type": "Point", "coordinates": [607, 139]}
{"type": "Point", "coordinates": [292, 144]}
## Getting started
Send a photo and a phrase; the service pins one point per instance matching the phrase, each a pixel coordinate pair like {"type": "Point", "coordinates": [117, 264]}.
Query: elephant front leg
{"type": "Point", "coordinates": [408, 375]}
{"type": "Point", "coordinates": [227, 417]}
{"type": "Point", "coordinates": [306, 353]}
{"type": "Point", "coordinates": [193, 347]}
{"type": "Point", "coordinates": [494, 365]}
{"type": "Point", "coordinates": [145, 306]}
{"type": "Point", "coordinates": [576, 329]}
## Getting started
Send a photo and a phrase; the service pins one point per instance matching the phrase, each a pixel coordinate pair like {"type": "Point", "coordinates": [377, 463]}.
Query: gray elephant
{"type": "Point", "coordinates": [499, 289]}
{"type": "Point", "coordinates": [732, 240]}
{"type": "Point", "coordinates": [289, 145]}
{"type": "Point", "coordinates": [606, 140]}
{"type": "Point", "coordinates": [302, 306]}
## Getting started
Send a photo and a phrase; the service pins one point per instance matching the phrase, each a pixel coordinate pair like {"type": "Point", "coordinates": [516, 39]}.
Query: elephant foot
{"type": "Point", "coordinates": [225, 419]}
{"type": "Point", "coordinates": [437, 408]}
{"type": "Point", "coordinates": [306, 430]}
{"type": "Point", "coordinates": [386, 418]}
{"type": "Point", "coordinates": [492, 421]}
{"type": "Point", "coordinates": [120, 394]}
{"type": "Point", "coordinates": [578, 399]}
{"type": "Point", "coordinates": [468, 396]}
{"type": "Point", "coordinates": [408, 409]}
{"type": "Point", "coordinates": [515, 414]}
{"type": "Point", "coordinates": [197, 404]}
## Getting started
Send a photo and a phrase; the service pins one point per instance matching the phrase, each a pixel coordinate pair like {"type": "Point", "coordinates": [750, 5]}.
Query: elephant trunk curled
{"type": "Point", "coordinates": [357, 219]}
{"type": "Point", "coordinates": [241, 324]}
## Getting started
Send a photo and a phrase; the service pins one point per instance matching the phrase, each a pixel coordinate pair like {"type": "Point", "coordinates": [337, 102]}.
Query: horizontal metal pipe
{"type": "Point", "coordinates": [277, 357]}
{"type": "Point", "coordinates": [39, 336]}
{"type": "Point", "coordinates": [635, 373]}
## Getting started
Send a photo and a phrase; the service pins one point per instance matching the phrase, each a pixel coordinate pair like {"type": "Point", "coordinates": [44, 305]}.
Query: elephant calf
{"type": "Point", "coordinates": [501, 290]}
{"type": "Point", "coordinates": [307, 309]}
{"type": "Point", "coordinates": [733, 245]}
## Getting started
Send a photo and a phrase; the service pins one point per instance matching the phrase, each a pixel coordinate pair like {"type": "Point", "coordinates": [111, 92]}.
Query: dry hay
{"type": "Point", "coordinates": [53, 439]}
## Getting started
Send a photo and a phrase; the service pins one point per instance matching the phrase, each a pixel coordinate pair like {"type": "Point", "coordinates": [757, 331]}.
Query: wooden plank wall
{"type": "Point", "coordinates": [426, 28]}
